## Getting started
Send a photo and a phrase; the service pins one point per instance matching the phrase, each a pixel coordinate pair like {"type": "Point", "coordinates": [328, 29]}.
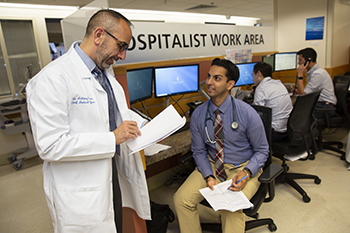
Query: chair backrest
{"type": "Point", "coordinates": [341, 87]}
{"type": "Point", "coordinates": [301, 119]}
{"type": "Point", "coordinates": [266, 117]}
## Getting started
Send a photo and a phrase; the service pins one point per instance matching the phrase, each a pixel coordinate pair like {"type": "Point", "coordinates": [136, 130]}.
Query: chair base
{"type": "Point", "coordinates": [289, 178]}
{"type": "Point", "coordinates": [216, 227]}
{"type": "Point", "coordinates": [328, 146]}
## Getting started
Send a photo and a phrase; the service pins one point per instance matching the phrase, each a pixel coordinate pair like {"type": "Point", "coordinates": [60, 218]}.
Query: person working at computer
{"type": "Point", "coordinates": [228, 143]}
{"type": "Point", "coordinates": [80, 119]}
{"type": "Point", "coordinates": [272, 93]}
{"type": "Point", "coordinates": [317, 79]}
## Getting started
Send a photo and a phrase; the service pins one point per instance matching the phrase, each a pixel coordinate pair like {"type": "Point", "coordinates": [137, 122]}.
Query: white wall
{"type": "Point", "coordinates": [333, 50]}
{"type": "Point", "coordinates": [291, 26]}
{"type": "Point", "coordinates": [341, 35]}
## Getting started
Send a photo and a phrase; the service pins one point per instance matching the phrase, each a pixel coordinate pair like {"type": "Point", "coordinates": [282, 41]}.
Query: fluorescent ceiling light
{"type": "Point", "coordinates": [182, 17]}
{"type": "Point", "coordinates": [35, 6]}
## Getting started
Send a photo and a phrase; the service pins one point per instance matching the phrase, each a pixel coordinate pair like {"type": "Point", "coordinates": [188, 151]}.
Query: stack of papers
{"type": "Point", "coordinates": [163, 125]}
{"type": "Point", "coordinates": [296, 157]}
{"type": "Point", "coordinates": [223, 199]}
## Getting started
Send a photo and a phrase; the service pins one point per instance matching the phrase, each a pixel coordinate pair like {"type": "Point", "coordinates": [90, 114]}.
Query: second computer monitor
{"type": "Point", "coordinates": [245, 74]}
{"type": "Point", "coordinates": [269, 59]}
{"type": "Point", "coordinates": [285, 61]}
{"type": "Point", "coordinates": [140, 83]}
{"type": "Point", "coordinates": [172, 80]}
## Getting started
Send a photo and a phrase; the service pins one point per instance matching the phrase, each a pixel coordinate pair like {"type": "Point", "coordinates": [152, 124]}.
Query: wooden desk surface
{"type": "Point", "coordinates": [179, 142]}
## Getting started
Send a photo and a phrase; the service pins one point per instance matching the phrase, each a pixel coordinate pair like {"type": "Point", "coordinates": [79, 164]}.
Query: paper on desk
{"type": "Point", "coordinates": [222, 199]}
{"type": "Point", "coordinates": [155, 148]}
{"type": "Point", "coordinates": [163, 125]}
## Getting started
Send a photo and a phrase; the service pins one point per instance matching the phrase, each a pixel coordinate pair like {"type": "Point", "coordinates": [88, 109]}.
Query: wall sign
{"type": "Point", "coordinates": [171, 41]}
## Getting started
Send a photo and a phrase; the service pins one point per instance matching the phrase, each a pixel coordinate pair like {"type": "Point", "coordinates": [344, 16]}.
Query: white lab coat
{"type": "Point", "coordinates": [68, 111]}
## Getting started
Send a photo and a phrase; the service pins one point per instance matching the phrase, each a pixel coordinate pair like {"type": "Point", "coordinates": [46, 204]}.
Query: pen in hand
{"type": "Point", "coordinates": [246, 176]}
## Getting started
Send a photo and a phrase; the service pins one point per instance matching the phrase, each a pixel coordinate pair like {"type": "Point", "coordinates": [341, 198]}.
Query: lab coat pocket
{"type": "Point", "coordinates": [79, 206]}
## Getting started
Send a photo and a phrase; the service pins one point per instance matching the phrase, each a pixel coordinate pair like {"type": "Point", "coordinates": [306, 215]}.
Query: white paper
{"type": "Point", "coordinates": [296, 157]}
{"type": "Point", "coordinates": [155, 148]}
{"type": "Point", "coordinates": [163, 125]}
{"type": "Point", "coordinates": [223, 199]}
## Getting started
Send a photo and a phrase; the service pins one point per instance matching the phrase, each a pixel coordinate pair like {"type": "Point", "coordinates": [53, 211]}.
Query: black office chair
{"type": "Point", "coordinates": [301, 130]}
{"type": "Point", "coordinates": [341, 117]}
{"type": "Point", "coordinates": [267, 186]}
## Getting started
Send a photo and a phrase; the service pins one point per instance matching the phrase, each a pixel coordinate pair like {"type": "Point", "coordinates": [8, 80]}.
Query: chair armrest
{"type": "Point", "coordinates": [326, 109]}
{"type": "Point", "coordinates": [186, 158]}
{"type": "Point", "coordinates": [270, 173]}
{"type": "Point", "coordinates": [325, 113]}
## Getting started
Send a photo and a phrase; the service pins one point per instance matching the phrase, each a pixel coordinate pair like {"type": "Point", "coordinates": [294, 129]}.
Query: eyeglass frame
{"type": "Point", "coordinates": [122, 45]}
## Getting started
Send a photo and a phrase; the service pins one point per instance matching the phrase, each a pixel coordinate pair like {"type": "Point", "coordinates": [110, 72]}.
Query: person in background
{"type": "Point", "coordinates": [80, 121]}
{"type": "Point", "coordinates": [233, 147]}
{"type": "Point", "coordinates": [272, 93]}
{"type": "Point", "coordinates": [317, 79]}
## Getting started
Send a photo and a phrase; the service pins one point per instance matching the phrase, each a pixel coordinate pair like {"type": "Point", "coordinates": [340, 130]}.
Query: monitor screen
{"type": "Point", "coordinates": [140, 83]}
{"type": "Point", "coordinates": [269, 59]}
{"type": "Point", "coordinates": [285, 61]}
{"type": "Point", "coordinates": [245, 74]}
{"type": "Point", "coordinates": [174, 80]}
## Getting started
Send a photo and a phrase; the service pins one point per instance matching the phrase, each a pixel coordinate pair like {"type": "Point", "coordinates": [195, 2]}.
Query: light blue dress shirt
{"type": "Point", "coordinates": [318, 78]}
{"type": "Point", "coordinates": [247, 142]}
{"type": "Point", "coordinates": [272, 93]}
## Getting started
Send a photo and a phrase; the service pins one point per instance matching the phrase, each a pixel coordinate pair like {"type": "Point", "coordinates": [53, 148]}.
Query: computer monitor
{"type": "Point", "coordinates": [285, 61]}
{"type": "Point", "coordinates": [245, 74]}
{"type": "Point", "coordinates": [140, 83]}
{"type": "Point", "coordinates": [173, 80]}
{"type": "Point", "coordinates": [269, 59]}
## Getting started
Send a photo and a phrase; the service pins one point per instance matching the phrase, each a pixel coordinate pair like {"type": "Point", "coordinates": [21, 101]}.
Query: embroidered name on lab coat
{"type": "Point", "coordinates": [82, 100]}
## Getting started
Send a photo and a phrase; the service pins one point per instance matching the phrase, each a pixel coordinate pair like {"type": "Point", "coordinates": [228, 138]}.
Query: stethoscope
{"type": "Point", "coordinates": [234, 124]}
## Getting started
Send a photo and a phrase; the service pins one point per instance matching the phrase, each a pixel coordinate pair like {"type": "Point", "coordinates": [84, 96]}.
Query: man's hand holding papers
{"type": "Point", "coordinates": [223, 199]}
{"type": "Point", "coordinates": [163, 125]}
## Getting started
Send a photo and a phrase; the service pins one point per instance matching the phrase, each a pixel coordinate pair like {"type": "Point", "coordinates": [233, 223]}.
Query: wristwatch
{"type": "Point", "coordinates": [248, 171]}
{"type": "Point", "coordinates": [300, 77]}
{"type": "Point", "coordinates": [208, 176]}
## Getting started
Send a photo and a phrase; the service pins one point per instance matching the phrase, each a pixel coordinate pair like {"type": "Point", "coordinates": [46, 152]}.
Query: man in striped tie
{"type": "Point", "coordinates": [228, 143]}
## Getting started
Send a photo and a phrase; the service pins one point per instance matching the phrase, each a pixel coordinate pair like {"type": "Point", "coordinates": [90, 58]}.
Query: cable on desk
{"type": "Point", "coordinates": [176, 102]}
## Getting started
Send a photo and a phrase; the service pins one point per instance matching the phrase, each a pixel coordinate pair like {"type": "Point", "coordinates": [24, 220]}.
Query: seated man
{"type": "Point", "coordinates": [226, 134]}
{"type": "Point", "coordinates": [272, 93]}
{"type": "Point", "coordinates": [317, 78]}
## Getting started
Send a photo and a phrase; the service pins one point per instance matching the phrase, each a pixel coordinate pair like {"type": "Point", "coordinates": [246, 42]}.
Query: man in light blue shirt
{"type": "Point", "coordinates": [245, 149]}
{"type": "Point", "coordinates": [272, 93]}
{"type": "Point", "coordinates": [317, 79]}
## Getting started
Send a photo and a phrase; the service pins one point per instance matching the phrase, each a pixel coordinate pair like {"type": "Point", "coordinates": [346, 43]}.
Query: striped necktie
{"type": "Point", "coordinates": [106, 86]}
{"type": "Point", "coordinates": [219, 147]}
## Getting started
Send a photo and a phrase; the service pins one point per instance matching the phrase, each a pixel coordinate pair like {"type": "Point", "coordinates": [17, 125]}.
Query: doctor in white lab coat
{"type": "Point", "coordinates": [68, 112]}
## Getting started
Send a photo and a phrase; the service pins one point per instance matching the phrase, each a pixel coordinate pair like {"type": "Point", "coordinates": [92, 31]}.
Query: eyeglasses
{"type": "Point", "coordinates": [122, 45]}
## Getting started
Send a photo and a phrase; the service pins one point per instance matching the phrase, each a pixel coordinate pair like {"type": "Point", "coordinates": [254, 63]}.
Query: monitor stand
{"type": "Point", "coordinates": [140, 113]}
{"type": "Point", "coordinates": [166, 101]}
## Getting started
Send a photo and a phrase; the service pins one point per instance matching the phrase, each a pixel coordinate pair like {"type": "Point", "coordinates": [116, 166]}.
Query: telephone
{"type": "Point", "coordinates": [307, 60]}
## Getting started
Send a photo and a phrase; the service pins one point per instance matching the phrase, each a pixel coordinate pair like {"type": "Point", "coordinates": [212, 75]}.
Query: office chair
{"type": "Point", "coordinates": [341, 117]}
{"type": "Point", "coordinates": [301, 130]}
{"type": "Point", "coordinates": [267, 186]}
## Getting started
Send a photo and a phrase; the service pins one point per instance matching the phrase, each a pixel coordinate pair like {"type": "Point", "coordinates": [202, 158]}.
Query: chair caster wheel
{"type": "Point", "coordinates": [340, 146]}
{"type": "Point", "coordinates": [12, 158]}
{"type": "Point", "coordinates": [342, 157]}
{"type": "Point", "coordinates": [317, 181]}
{"type": "Point", "coordinates": [272, 227]}
{"type": "Point", "coordinates": [18, 165]}
{"type": "Point", "coordinates": [306, 198]}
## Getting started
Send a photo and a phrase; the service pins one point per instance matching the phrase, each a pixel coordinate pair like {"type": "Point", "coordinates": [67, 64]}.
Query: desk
{"type": "Point", "coordinates": [179, 142]}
